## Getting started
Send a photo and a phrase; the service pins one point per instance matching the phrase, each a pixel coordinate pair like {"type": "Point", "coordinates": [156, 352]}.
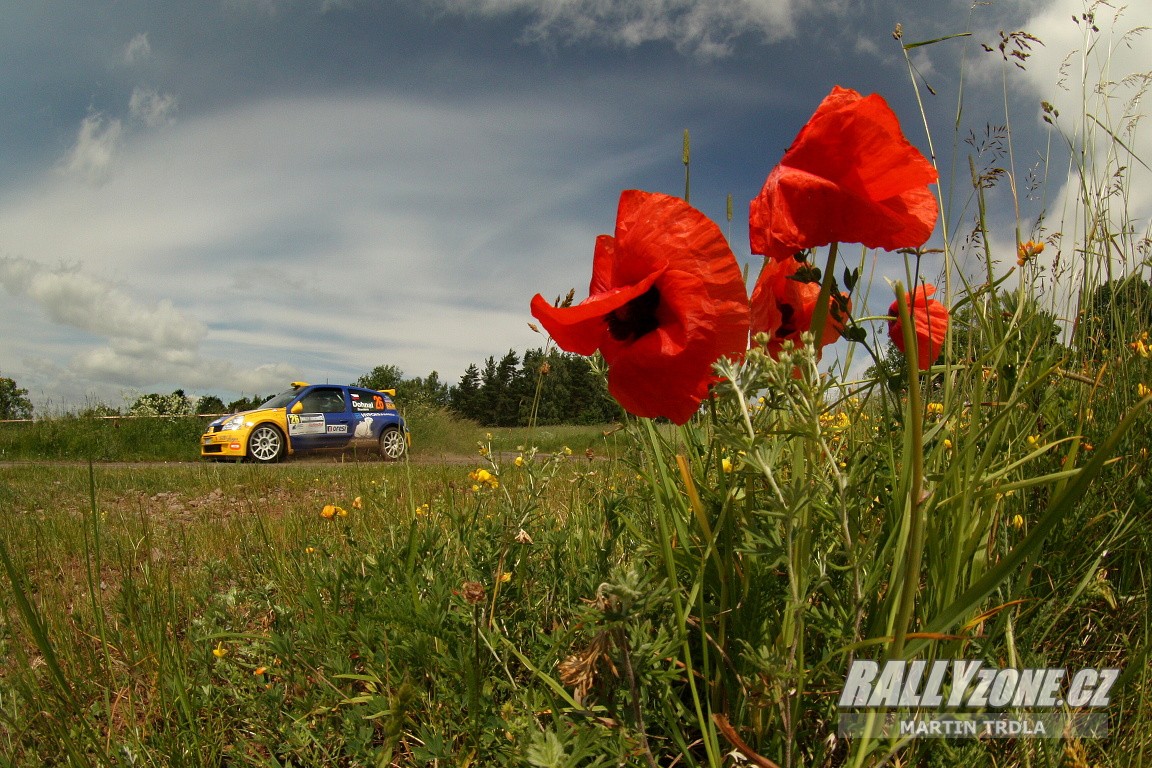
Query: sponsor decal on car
{"type": "Point", "coordinates": [306, 424]}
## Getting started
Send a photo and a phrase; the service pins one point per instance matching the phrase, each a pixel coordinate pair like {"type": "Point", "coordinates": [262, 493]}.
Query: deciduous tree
{"type": "Point", "coordinates": [14, 402]}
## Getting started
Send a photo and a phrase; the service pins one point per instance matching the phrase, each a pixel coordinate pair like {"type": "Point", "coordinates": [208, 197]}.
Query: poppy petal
{"type": "Point", "coordinates": [666, 300]}
{"type": "Point", "coordinates": [784, 307]}
{"type": "Point", "coordinates": [581, 328]}
{"type": "Point", "coordinates": [929, 325]}
{"type": "Point", "coordinates": [849, 176]}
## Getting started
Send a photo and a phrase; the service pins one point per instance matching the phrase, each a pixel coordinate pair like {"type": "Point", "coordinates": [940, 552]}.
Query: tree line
{"type": "Point", "coordinates": [561, 388]}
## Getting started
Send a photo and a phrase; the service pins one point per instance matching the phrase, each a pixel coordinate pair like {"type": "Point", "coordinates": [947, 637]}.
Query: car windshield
{"type": "Point", "coordinates": [280, 400]}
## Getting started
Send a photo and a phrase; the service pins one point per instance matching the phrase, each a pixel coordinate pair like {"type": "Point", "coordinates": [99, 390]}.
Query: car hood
{"type": "Point", "coordinates": [249, 416]}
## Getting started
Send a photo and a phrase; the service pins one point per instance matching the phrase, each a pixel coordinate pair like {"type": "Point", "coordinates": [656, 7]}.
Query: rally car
{"type": "Point", "coordinates": [309, 417]}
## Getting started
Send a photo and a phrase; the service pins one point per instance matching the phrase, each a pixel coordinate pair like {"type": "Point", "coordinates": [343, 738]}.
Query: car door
{"type": "Point", "coordinates": [320, 419]}
{"type": "Point", "coordinates": [369, 415]}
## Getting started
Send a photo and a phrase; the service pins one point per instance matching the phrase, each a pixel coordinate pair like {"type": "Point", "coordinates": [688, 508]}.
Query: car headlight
{"type": "Point", "coordinates": [235, 422]}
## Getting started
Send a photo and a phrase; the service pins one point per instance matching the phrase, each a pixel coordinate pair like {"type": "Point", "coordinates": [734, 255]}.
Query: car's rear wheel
{"type": "Point", "coordinates": [392, 444]}
{"type": "Point", "coordinates": [266, 444]}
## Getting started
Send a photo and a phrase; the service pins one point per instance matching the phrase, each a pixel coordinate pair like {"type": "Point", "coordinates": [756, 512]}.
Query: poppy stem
{"type": "Point", "coordinates": [820, 314]}
{"type": "Point", "coordinates": [914, 460]}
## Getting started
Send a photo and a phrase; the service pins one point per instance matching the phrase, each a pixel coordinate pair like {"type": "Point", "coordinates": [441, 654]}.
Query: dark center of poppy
{"type": "Point", "coordinates": [787, 327]}
{"type": "Point", "coordinates": [636, 318]}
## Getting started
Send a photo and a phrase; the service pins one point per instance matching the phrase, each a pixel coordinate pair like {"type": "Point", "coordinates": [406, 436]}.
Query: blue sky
{"type": "Point", "coordinates": [229, 195]}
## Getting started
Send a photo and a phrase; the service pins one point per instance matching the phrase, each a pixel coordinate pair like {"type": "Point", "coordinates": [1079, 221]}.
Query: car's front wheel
{"type": "Point", "coordinates": [266, 444]}
{"type": "Point", "coordinates": [392, 443]}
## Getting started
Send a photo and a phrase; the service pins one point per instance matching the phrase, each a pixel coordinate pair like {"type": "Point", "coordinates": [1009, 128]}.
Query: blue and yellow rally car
{"type": "Point", "coordinates": [309, 417]}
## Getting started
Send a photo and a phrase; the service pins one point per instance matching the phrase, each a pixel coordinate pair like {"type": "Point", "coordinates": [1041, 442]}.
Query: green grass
{"type": "Point", "coordinates": [340, 640]}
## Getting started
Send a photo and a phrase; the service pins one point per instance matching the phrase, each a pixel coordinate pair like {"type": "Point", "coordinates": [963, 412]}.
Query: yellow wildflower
{"type": "Point", "coordinates": [1033, 440]}
{"type": "Point", "coordinates": [1026, 252]}
{"type": "Point", "coordinates": [947, 444]}
{"type": "Point", "coordinates": [309, 550]}
{"type": "Point", "coordinates": [519, 461]}
{"type": "Point", "coordinates": [567, 451]}
{"type": "Point", "coordinates": [341, 512]}
{"type": "Point", "coordinates": [1018, 521]}
{"type": "Point", "coordinates": [936, 408]}
{"type": "Point", "coordinates": [219, 651]}
{"type": "Point", "coordinates": [259, 671]}
{"type": "Point", "coordinates": [328, 512]}
{"type": "Point", "coordinates": [835, 422]}
{"type": "Point", "coordinates": [1142, 390]}
{"type": "Point", "coordinates": [505, 577]}
{"type": "Point", "coordinates": [726, 465]}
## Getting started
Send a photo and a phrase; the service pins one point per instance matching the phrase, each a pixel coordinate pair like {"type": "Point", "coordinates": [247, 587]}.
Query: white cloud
{"type": "Point", "coordinates": [309, 239]}
{"type": "Point", "coordinates": [1098, 80]}
{"type": "Point", "coordinates": [71, 298]}
{"type": "Point", "coordinates": [704, 28]}
{"type": "Point", "coordinates": [92, 156]}
{"type": "Point", "coordinates": [137, 49]}
{"type": "Point", "coordinates": [152, 108]}
{"type": "Point", "coordinates": [146, 342]}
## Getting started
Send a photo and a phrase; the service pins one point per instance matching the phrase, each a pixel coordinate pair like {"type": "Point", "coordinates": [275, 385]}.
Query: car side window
{"type": "Point", "coordinates": [324, 401]}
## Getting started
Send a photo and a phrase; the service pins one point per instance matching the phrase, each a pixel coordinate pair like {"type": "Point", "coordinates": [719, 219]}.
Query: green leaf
{"type": "Point", "coordinates": [910, 46]}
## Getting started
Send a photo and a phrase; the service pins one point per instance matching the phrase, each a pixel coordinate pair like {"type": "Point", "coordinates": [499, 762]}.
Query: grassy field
{"type": "Point", "coordinates": [432, 614]}
{"type": "Point", "coordinates": [211, 615]}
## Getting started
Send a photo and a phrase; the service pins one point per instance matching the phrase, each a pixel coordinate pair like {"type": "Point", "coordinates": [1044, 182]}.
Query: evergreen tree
{"type": "Point", "coordinates": [487, 401]}
{"type": "Point", "coordinates": [509, 391]}
{"type": "Point", "coordinates": [465, 396]}
{"type": "Point", "coordinates": [591, 403]}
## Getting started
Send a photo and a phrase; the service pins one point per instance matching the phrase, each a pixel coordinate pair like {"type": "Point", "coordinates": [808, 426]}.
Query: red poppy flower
{"type": "Point", "coordinates": [782, 306]}
{"type": "Point", "coordinates": [666, 301]}
{"type": "Point", "coordinates": [929, 323]}
{"type": "Point", "coordinates": [849, 176]}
